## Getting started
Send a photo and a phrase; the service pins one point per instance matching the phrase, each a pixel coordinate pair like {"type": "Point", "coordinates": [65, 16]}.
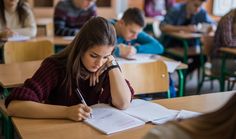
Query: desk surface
{"type": "Point", "coordinates": [184, 35]}
{"type": "Point", "coordinates": [228, 50]}
{"type": "Point", "coordinates": [66, 129]}
{"type": "Point", "coordinates": [12, 75]}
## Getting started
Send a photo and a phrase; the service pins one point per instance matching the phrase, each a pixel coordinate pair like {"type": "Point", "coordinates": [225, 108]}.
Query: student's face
{"type": "Point", "coordinates": [10, 3]}
{"type": "Point", "coordinates": [95, 57]}
{"type": "Point", "coordinates": [194, 6]}
{"type": "Point", "coordinates": [130, 31]}
{"type": "Point", "coordinates": [83, 4]}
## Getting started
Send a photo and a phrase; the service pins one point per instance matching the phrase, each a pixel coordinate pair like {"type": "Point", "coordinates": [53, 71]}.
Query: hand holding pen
{"type": "Point", "coordinates": [82, 99]}
{"type": "Point", "coordinates": [78, 112]}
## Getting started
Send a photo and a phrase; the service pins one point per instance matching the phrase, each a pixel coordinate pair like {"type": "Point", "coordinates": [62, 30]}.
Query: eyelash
{"type": "Point", "coordinates": [94, 56]}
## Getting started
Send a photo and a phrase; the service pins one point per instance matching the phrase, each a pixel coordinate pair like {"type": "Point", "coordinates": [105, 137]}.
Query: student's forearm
{"type": "Point", "coordinates": [30, 109]}
{"type": "Point", "coordinates": [120, 91]}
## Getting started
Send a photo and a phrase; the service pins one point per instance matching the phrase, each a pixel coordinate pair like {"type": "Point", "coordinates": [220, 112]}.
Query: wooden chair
{"type": "Point", "coordinates": [15, 52]}
{"type": "Point", "coordinates": [147, 78]}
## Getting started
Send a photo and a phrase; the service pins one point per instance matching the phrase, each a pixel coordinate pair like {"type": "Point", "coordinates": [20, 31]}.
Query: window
{"type": "Point", "coordinates": [221, 7]}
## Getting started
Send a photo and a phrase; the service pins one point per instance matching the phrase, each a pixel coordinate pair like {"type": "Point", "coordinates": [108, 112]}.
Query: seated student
{"type": "Point", "coordinates": [130, 37]}
{"type": "Point", "coordinates": [185, 17]}
{"type": "Point", "coordinates": [87, 64]}
{"type": "Point", "coordinates": [16, 18]}
{"type": "Point", "coordinates": [225, 36]}
{"type": "Point", "coordinates": [219, 124]}
{"type": "Point", "coordinates": [153, 8]}
{"type": "Point", "coordinates": [71, 15]}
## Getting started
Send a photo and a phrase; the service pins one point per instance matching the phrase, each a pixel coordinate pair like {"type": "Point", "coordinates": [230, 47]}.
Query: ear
{"type": "Point", "coordinates": [121, 22]}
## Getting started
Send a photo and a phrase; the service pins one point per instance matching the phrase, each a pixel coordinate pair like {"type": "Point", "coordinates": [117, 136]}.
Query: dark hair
{"type": "Point", "coordinates": [96, 32]}
{"type": "Point", "coordinates": [134, 15]}
{"type": "Point", "coordinates": [20, 10]}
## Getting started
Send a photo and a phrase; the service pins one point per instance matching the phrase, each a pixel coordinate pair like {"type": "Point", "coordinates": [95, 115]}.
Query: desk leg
{"type": "Point", "coordinates": [222, 74]}
{"type": "Point", "coordinates": [181, 82]}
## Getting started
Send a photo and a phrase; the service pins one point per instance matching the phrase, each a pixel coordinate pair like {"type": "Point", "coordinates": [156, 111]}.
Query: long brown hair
{"type": "Point", "coordinates": [96, 32]}
{"type": "Point", "coordinates": [220, 124]}
{"type": "Point", "coordinates": [21, 11]}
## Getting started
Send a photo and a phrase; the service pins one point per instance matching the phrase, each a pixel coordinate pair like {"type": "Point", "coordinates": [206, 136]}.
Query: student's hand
{"type": "Point", "coordinates": [6, 32]}
{"type": "Point", "coordinates": [78, 112]}
{"type": "Point", "coordinates": [127, 51]}
{"type": "Point", "coordinates": [94, 77]}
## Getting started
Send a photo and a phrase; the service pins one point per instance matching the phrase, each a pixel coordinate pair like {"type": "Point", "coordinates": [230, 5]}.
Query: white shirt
{"type": "Point", "coordinates": [12, 22]}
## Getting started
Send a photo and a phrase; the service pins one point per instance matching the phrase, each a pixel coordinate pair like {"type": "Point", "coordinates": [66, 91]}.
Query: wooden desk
{"type": "Point", "coordinates": [13, 75]}
{"type": "Point", "coordinates": [66, 129]}
{"type": "Point", "coordinates": [228, 50]}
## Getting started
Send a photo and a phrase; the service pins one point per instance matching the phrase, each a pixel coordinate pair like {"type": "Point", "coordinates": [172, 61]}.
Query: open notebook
{"type": "Point", "coordinates": [109, 120]}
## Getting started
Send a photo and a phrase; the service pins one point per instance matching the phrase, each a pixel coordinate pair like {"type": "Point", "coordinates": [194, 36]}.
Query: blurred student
{"type": "Point", "coordinates": [86, 64]}
{"type": "Point", "coordinates": [71, 15]}
{"type": "Point", "coordinates": [219, 124]}
{"type": "Point", "coordinates": [153, 8]}
{"type": "Point", "coordinates": [130, 37]}
{"type": "Point", "coordinates": [132, 40]}
{"type": "Point", "coordinates": [185, 17]}
{"type": "Point", "coordinates": [16, 18]}
{"type": "Point", "coordinates": [225, 36]}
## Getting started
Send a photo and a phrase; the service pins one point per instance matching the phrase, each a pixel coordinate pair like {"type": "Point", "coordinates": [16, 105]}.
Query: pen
{"type": "Point", "coordinates": [82, 100]}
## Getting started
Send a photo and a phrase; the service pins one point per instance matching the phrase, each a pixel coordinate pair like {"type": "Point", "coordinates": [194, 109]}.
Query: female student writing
{"type": "Point", "coordinates": [16, 18]}
{"type": "Point", "coordinates": [87, 64]}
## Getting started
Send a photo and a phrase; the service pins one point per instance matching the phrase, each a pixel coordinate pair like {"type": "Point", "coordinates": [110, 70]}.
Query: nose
{"type": "Point", "coordinates": [98, 62]}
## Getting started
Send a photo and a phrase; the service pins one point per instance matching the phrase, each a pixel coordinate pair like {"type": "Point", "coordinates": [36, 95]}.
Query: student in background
{"type": "Point", "coordinates": [219, 124]}
{"type": "Point", "coordinates": [132, 40]}
{"type": "Point", "coordinates": [87, 64]}
{"type": "Point", "coordinates": [71, 15]}
{"type": "Point", "coordinates": [130, 37]}
{"type": "Point", "coordinates": [153, 8]}
{"type": "Point", "coordinates": [185, 17]}
{"type": "Point", "coordinates": [16, 18]}
{"type": "Point", "coordinates": [225, 36]}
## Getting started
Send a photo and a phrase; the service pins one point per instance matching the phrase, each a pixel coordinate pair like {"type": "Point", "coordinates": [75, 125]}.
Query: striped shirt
{"type": "Point", "coordinates": [68, 19]}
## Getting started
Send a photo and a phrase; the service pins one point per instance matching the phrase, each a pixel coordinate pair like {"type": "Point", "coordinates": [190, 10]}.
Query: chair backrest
{"type": "Point", "coordinates": [147, 78]}
{"type": "Point", "coordinates": [15, 52]}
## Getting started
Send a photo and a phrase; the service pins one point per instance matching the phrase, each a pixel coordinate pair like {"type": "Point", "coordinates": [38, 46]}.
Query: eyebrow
{"type": "Point", "coordinates": [100, 55]}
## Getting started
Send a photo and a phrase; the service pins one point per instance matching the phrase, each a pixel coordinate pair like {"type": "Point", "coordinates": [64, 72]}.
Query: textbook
{"type": "Point", "coordinates": [108, 119]}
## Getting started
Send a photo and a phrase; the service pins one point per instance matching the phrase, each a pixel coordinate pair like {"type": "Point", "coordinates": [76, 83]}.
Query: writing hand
{"type": "Point", "coordinates": [78, 112]}
{"type": "Point", "coordinates": [127, 51]}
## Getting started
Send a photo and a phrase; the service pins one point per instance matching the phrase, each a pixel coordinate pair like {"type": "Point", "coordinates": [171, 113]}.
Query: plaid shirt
{"type": "Point", "coordinates": [225, 35]}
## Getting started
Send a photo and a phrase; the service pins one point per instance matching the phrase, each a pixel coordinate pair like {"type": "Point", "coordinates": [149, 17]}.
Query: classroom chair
{"type": "Point", "coordinates": [206, 68]}
{"type": "Point", "coordinates": [15, 52]}
{"type": "Point", "coordinates": [147, 78]}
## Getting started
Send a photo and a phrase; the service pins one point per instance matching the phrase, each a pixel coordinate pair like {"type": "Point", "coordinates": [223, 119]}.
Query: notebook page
{"type": "Point", "coordinates": [147, 111]}
{"type": "Point", "coordinates": [184, 114]}
{"type": "Point", "coordinates": [110, 120]}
